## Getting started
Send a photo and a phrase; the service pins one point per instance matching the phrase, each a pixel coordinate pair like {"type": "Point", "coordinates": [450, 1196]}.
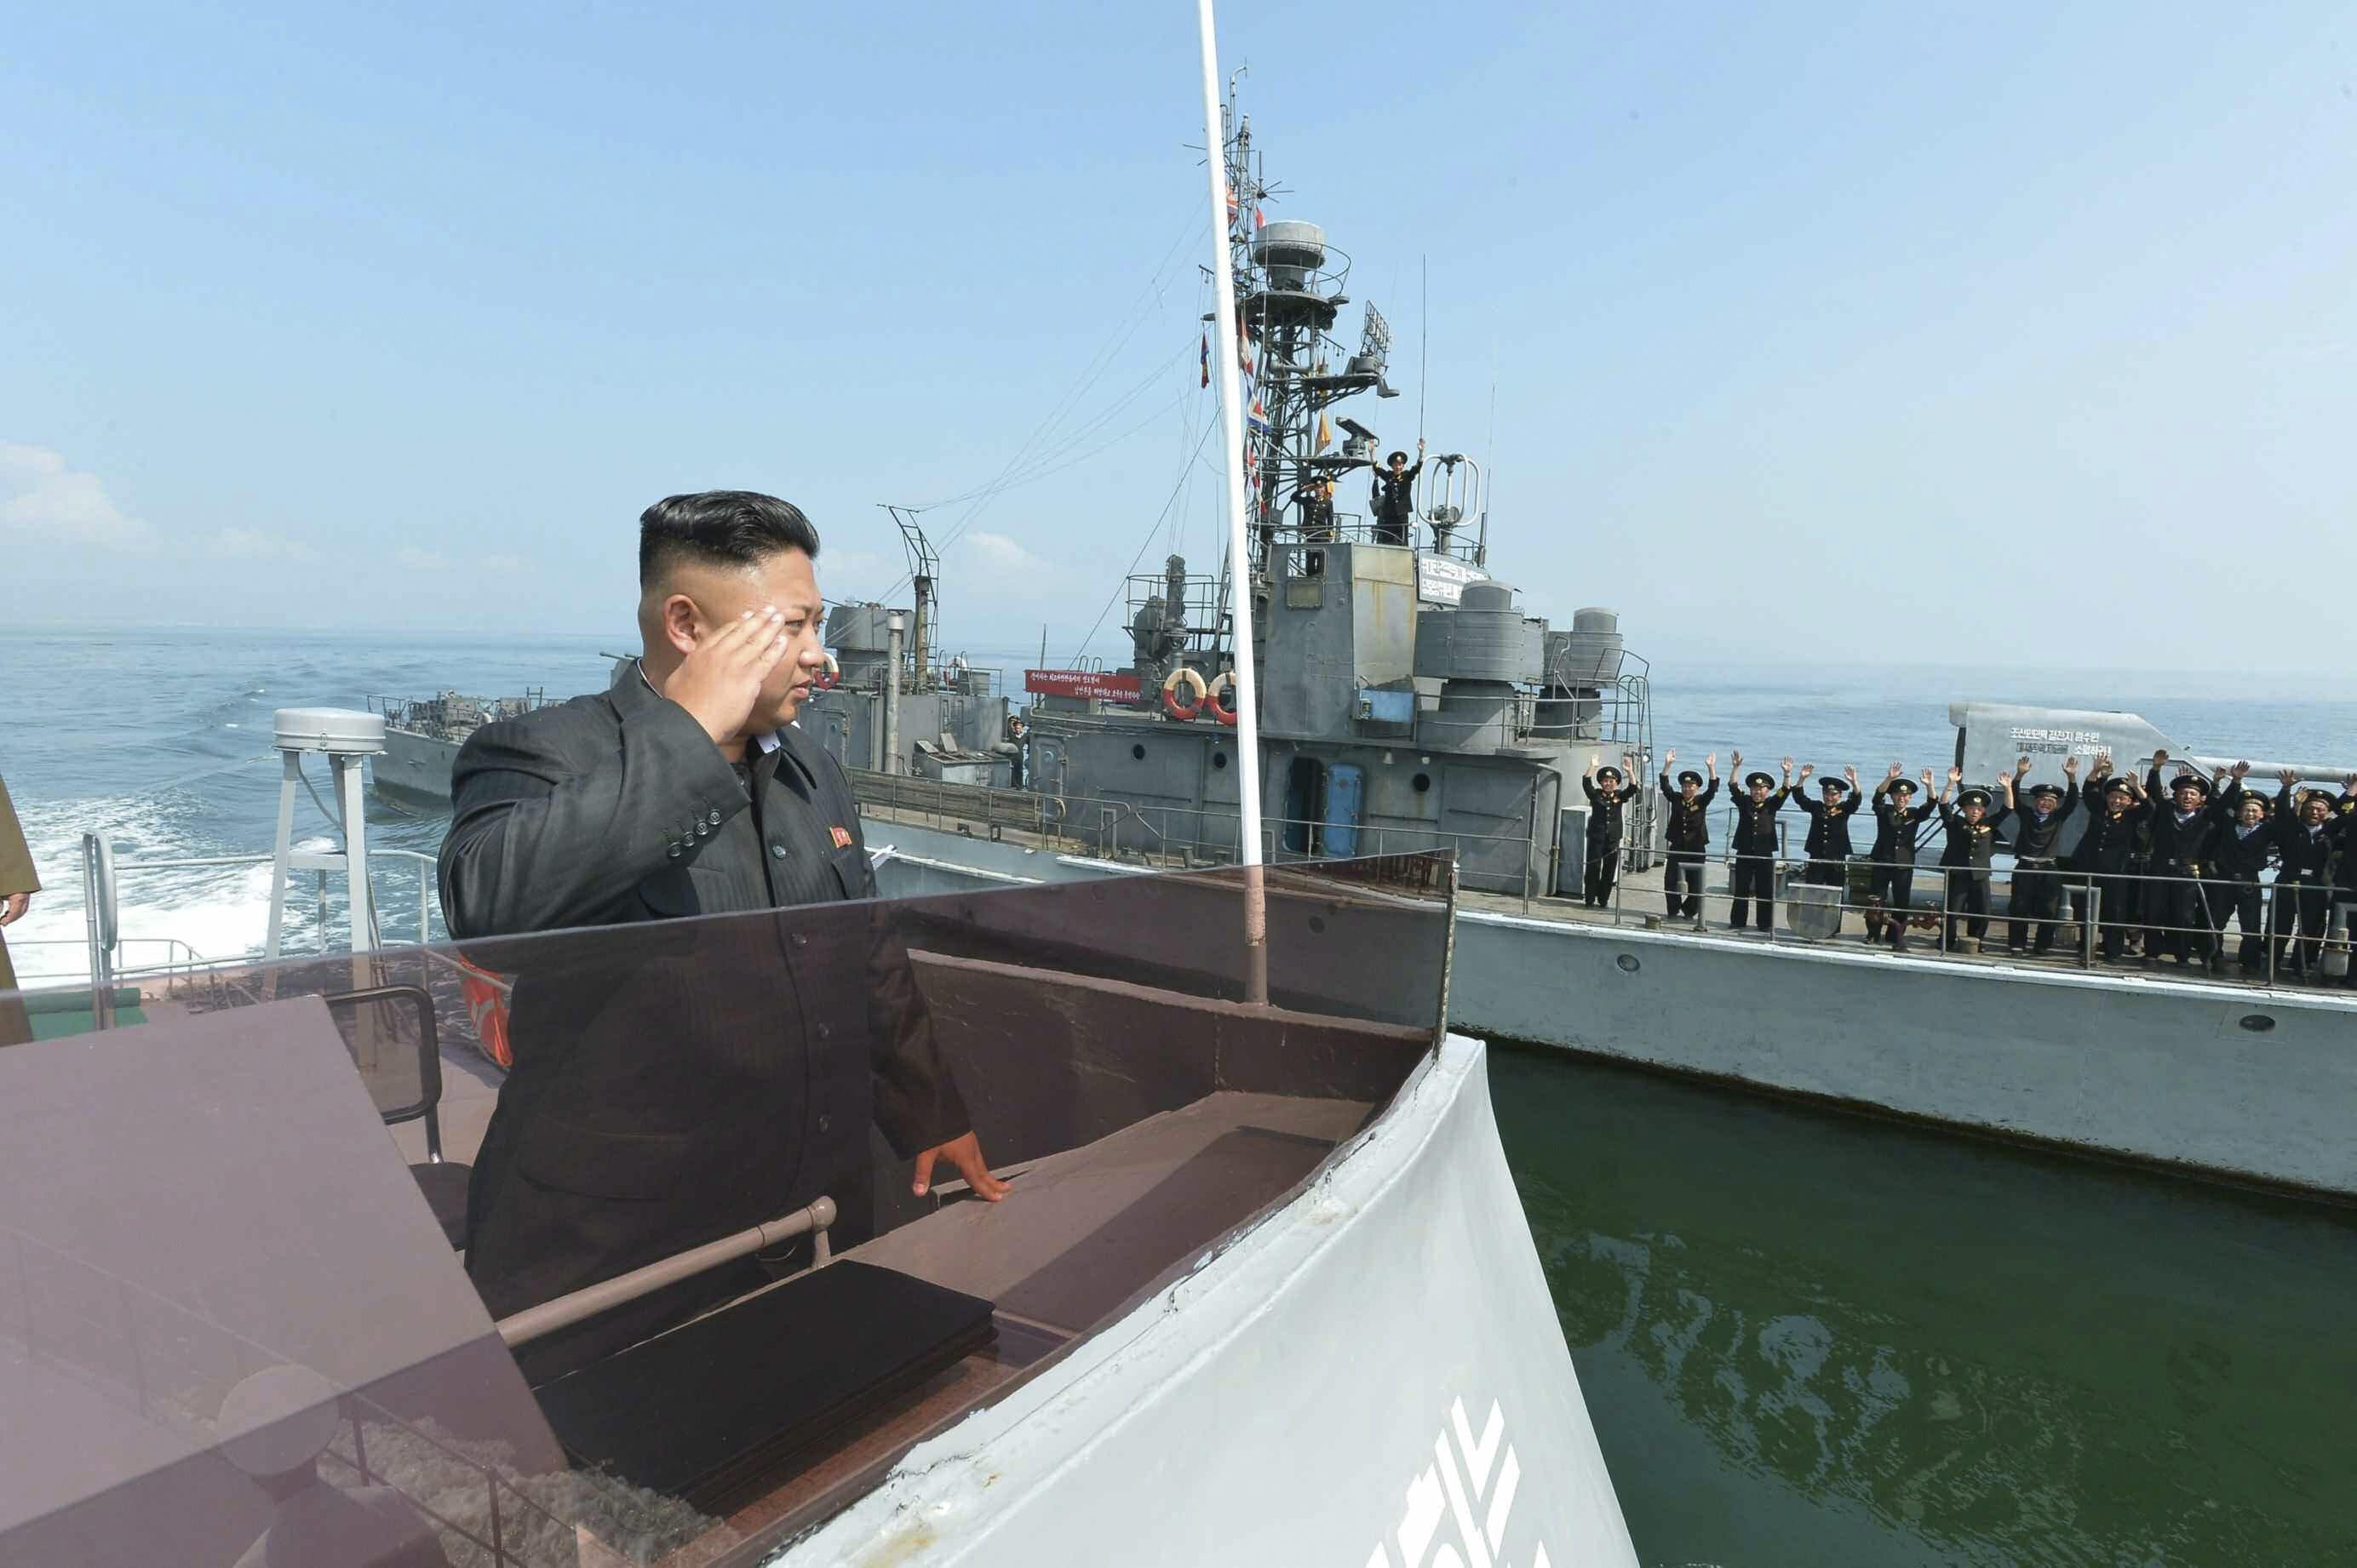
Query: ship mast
{"type": "Point", "coordinates": [1231, 430]}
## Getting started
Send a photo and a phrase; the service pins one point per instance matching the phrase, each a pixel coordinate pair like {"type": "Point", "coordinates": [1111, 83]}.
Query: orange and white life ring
{"type": "Point", "coordinates": [826, 678]}
{"type": "Point", "coordinates": [487, 997]}
{"type": "Point", "coordinates": [1225, 681]}
{"type": "Point", "coordinates": [1182, 676]}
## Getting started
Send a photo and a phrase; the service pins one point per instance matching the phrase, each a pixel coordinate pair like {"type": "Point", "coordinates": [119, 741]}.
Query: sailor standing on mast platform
{"type": "Point", "coordinates": [1393, 498]}
{"type": "Point", "coordinates": [1607, 799]}
{"type": "Point", "coordinates": [1688, 834]}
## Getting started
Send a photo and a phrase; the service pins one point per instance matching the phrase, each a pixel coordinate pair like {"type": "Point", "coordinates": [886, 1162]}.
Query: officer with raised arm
{"type": "Point", "coordinates": [681, 1088]}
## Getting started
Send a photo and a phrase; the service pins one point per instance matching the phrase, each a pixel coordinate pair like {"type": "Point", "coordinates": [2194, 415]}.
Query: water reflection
{"type": "Point", "coordinates": [1805, 1336]}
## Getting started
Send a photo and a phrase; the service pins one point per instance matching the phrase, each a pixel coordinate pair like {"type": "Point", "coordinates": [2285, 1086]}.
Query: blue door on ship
{"type": "Point", "coordinates": [1345, 796]}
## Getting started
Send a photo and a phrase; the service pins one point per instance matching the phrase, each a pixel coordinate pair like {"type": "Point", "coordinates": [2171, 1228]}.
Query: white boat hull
{"type": "Point", "coordinates": [1372, 1375]}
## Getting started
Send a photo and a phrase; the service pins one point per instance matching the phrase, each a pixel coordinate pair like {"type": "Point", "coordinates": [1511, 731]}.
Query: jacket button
{"type": "Point", "coordinates": [823, 1030]}
{"type": "Point", "coordinates": [674, 851]}
{"type": "Point", "coordinates": [777, 852]}
{"type": "Point", "coordinates": [703, 829]}
{"type": "Point", "coordinates": [824, 1122]}
{"type": "Point", "coordinates": [713, 819]}
{"type": "Point", "coordinates": [800, 940]}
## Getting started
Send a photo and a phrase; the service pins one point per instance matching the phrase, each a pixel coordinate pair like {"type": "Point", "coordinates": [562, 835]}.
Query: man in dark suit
{"type": "Point", "coordinates": [674, 1084]}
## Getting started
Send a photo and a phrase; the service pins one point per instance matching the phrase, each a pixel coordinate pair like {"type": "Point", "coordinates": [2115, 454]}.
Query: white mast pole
{"type": "Point", "coordinates": [1231, 430]}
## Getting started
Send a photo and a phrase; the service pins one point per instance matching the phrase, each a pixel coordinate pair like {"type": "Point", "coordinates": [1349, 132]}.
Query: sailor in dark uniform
{"type": "Point", "coordinates": [658, 1101]}
{"type": "Point", "coordinates": [1686, 835]}
{"type": "Point", "coordinates": [2245, 845]}
{"type": "Point", "coordinates": [2184, 835]}
{"type": "Point", "coordinates": [1607, 799]}
{"type": "Point", "coordinates": [1316, 498]}
{"type": "Point", "coordinates": [1964, 863]}
{"type": "Point", "coordinates": [1891, 885]}
{"type": "Point", "coordinates": [2101, 862]}
{"type": "Point", "coordinates": [2037, 896]}
{"type": "Point", "coordinates": [1828, 848]}
{"type": "Point", "coordinates": [1393, 498]}
{"type": "Point", "coordinates": [1755, 844]}
{"type": "Point", "coordinates": [2306, 835]}
{"type": "Point", "coordinates": [2344, 881]}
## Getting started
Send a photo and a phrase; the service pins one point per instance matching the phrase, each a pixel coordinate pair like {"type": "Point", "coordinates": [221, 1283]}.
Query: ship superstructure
{"type": "Point", "coordinates": [1406, 699]}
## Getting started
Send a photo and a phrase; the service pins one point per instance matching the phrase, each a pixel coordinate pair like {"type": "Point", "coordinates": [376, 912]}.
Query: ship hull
{"type": "Point", "coordinates": [1372, 1374]}
{"type": "Point", "coordinates": [2228, 1082]}
{"type": "Point", "coordinates": [415, 767]}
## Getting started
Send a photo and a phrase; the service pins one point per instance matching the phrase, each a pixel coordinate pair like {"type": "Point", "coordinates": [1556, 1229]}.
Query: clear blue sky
{"type": "Point", "coordinates": [2024, 332]}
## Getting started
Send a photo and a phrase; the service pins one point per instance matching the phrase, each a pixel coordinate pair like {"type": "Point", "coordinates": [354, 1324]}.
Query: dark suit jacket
{"type": "Point", "coordinates": [676, 1079]}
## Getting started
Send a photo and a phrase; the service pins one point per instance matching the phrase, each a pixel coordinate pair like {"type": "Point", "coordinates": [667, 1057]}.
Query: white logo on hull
{"type": "Point", "coordinates": [1451, 1491]}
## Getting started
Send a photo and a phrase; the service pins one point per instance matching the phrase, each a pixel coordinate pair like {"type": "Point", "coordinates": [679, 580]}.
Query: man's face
{"type": "Point", "coordinates": [2253, 812]}
{"type": "Point", "coordinates": [1975, 811]}
{"type": "Point", "coordinates": [1688, 789]}
{"type": "Point", "coordinates": [2117, 799]}
{"type": "Point", "coordinates": [787, 581]}
{"type": "Point", "coordinates": [1759, 791]}
{"type": "Point", "coordinates": [1398, 462]}
{"type": "Point", "coordinates": [2317, 811]}
{"type": "Point", "coordinates": [2189, 798]}
{"type": "Point", "coordinates": [1835, 796]}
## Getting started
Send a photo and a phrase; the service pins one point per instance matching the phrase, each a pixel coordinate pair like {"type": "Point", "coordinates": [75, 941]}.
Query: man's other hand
{"type": "Point", "coordinates": [721, 680]}
{"type": "Point", "coordinates": [965, 1153]}
{"type": "Point", "coordinates": [12, 908]}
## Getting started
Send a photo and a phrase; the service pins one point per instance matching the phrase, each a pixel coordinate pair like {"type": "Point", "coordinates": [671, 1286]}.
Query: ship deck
{"type": "Point", "coordinates": [1638, 898]}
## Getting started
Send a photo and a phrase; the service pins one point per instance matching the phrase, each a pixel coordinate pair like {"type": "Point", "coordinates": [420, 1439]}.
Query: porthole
{"type": "Point", "coordinates": [1317, 925]}
{"type": "Point", "coordinates": [1219, 759]}
{"type": "Point", "coordinates": [1138, 751]}
{"type": "Point", "coordinates": [1421, 782]}
{"type": "Point", "coordinates": [1628, 962]}
{"type": "Point", "coordinates": [2257, 1022]}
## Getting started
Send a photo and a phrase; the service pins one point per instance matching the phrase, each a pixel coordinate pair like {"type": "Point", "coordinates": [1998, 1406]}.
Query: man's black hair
{"type": "Point", "coordinates": [720, 528]}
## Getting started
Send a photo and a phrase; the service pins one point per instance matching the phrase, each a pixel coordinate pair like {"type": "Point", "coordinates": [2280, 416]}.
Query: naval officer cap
{"type": "Point", "coordinates": [1757, 778]}
{"type": "Point", "coordinates": [2120, 786]}
{"type": "Point", "coordinates": [1609, 773]}
{"type": "Point", "coordinates": [2046, 788]}
{"type": "Point", "coordinates": [1830, 785]}
{"type": "Point", "coordinates": [2193, 781]}
{"type": "Point", "coordinates": [1688, 776]}
{"type": "Point", "coordinates": [1972, 796]}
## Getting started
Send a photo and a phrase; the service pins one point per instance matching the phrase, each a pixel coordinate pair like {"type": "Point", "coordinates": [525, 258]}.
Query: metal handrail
{"type": "Point", "coordinates": [2272, 934]}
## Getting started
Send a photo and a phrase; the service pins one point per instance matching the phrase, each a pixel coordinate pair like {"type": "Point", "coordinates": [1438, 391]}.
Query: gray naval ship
{"type": "Point", "coordinates": [1407, 701]}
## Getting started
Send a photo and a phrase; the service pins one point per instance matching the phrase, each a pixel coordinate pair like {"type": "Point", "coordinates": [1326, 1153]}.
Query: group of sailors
{"type": "Point", "coordinates": [2160, 868]}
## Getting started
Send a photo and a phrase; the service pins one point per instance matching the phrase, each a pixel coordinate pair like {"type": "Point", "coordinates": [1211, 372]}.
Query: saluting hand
{"type": "Point", "coordinates": [12, 908]}
{"type": "Point", "coordinates": [720, 679]}
{"type": "Point", "coordinates": [964, 1152]}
